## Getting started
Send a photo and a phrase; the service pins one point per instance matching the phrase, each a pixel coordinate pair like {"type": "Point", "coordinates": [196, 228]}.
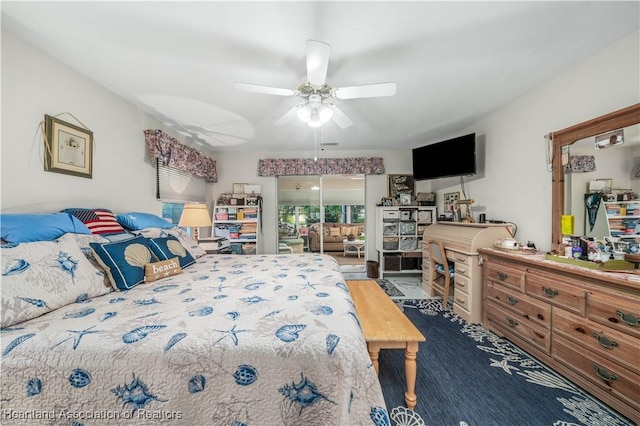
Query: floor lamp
{"type": "Point", "coordinates": [194, 216]}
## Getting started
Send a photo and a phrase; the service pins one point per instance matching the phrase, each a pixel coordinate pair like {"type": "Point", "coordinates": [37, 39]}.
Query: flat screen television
{"type": "Point", "coordinates": [452, 157]}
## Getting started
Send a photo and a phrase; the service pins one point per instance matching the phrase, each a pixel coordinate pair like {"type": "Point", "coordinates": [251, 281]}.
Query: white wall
{"type": "Point", "coordinates": [35, 84]}
{"type": "Point", "coordinates": [516, 185]}
{"type": "Point", "coordinates": [517, 181]}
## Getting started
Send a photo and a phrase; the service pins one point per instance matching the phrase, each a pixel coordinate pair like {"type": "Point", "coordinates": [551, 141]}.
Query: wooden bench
{"type": "Point", "coordinates": [385, 326]}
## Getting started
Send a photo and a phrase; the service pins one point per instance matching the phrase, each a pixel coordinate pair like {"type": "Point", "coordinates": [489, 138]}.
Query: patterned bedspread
{"type": "Point", "coordinates": [234, 340]}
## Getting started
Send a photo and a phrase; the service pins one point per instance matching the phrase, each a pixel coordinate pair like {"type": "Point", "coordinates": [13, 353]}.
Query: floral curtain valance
{"type": "Point", "coordinates": [321, 166]}
{"type": "Point", "coordinates": [174, 154]}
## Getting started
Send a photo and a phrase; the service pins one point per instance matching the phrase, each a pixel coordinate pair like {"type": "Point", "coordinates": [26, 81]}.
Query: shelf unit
{"type": "Point", "coordinates": [623, 218]}
{"type": "Point", "coordinates": [239, 223]}
{"type": "Point", "coordinates": [398, 241]}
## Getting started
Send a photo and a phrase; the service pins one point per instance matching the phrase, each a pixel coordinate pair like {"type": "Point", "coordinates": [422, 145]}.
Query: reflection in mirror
{"type": "Point", "coordinates": [610, 139]}
{"type": "Point", "coordinates": [600, 171]}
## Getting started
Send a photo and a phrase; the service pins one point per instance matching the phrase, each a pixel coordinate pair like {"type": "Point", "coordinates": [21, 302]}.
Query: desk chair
{"type": "Point", "coordinates": [441, 267]}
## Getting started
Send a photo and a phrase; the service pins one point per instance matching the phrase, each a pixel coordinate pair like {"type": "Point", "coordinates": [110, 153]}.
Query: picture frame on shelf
{"type": "Point", "coordinates": [450, 201]}
{"type": "Point", "coordinates": [398, 184]}
{"type": "Point", "coordinates": [405, 199]}
{"type": "Point", "coordinates": [68, 148]}
{"type": "Point", "coordinates": [238, 188]}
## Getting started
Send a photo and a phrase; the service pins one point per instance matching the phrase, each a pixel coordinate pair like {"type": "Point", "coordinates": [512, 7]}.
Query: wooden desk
{"type": "Point", "coordinates": [385, 326]}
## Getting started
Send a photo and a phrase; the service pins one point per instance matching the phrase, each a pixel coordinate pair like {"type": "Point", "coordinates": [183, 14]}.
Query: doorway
{"type": "Point", "coordinates": [319, 214]}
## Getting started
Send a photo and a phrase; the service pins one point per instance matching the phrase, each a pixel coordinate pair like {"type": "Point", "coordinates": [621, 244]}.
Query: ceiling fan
{"type": "Point", "coordinates": [318, 98]}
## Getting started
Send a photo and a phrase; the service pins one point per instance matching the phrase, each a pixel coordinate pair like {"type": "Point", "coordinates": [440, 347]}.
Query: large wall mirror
{"type": "Point", "coordinates": [616, 163]}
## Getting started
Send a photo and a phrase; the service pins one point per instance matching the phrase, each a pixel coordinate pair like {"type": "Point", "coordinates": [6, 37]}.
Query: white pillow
{"type": "Point", "coordinates": [185, 239]}
{"type": "Point", "coordinates": [39, 277]}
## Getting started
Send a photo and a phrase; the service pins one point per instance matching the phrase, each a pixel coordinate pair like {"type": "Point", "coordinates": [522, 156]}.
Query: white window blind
{"type": "Point", "coordinates": [173, 185]}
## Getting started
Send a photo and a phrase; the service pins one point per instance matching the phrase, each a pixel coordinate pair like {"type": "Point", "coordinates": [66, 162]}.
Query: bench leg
{"type": "Point", "coordinates": [410, 370]}
{"type": "Point", "coordinates": [374, 351]}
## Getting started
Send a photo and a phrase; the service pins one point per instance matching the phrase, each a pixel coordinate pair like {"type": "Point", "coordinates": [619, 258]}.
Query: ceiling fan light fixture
{"type": "Point", "coordinates": [325, 114]}
{"type": "Point", "coordinates": [314, 120]}
{"type": "Point", "coordinates": [304, 114]}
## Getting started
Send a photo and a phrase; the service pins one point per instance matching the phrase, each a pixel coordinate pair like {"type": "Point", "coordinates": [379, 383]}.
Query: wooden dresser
{"type": "Point", "coordinates": [461, 242]}
{"type": "Point", "coordinates": [581, 322]}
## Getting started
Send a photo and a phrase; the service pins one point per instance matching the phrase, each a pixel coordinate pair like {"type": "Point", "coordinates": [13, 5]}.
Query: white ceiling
{"type": "Point", "coordinates": [453, 62]}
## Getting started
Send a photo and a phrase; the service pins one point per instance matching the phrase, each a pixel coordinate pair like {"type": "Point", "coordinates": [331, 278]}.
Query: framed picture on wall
{"type": "Point", "coordinates": [451, 201]}
{"type": "Point", "coordinates": [68, 148]}
{"type": "Point", "coordinates": [400, 184]}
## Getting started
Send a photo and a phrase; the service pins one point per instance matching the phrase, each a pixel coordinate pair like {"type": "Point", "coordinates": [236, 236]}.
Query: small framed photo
{"type": "Point", "coordinates": [238, 188]}
{"type": "Point", "coordinates": [68, 148]}
{"type": "Point", "coordinates": [451, 201]}
{"type": "Point", "coordinates": [387, 201]}
{"type": "Point", "coordinates": [405, 199]}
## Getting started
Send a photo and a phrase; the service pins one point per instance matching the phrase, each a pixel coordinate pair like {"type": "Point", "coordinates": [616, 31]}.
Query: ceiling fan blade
{"type": "Point", "coordinates": [317, 62]}
{"type": "Point", "coordinates": [267, 90]}
{"type": "Point", "coordinates": [340, 118]}
{"type": "Point", "coordinates": [365, 91]}
{"type": "Point", "coordinates": [288, 116]}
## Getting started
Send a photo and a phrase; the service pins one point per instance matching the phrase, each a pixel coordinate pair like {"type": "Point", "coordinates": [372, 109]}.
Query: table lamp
{"type": "Point", "coordinates": [195, 216]}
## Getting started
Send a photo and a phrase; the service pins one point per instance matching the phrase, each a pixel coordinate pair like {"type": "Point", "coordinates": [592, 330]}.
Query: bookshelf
{"type": "Point", "coordinates": [239, 223]}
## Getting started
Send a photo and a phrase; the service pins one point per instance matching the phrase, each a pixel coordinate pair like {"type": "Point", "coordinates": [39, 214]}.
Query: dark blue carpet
{"type": "Point", "coordinates": [468, 375]}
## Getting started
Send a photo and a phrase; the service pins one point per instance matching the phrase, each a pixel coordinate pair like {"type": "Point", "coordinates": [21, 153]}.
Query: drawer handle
{"type": "Point", "coordinates": [502, 276]}
{"type": "Point", "coordinates": [512, 300]}
{"type": "Point", "coordinates": [604, 342]}
{"type": "Point", "coordinates": [604, 374]}
{"type": "Point", "coordinates": [629, 318]}
{"type": "Point", "coordinates": [512, 322]}
{"type": "Point", "coordinates": [549, 292]}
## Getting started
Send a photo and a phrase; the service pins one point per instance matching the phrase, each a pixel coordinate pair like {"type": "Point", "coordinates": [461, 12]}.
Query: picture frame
{"type": "Point", "coordinates": [405, 199]}
{"type": "Point", "coordinates": [387, 201]}
{"type": "Point", "coordinates": [450, 200]}
{"type": "Point", "coordinates": [68, 148]}
{"type": "Point", "coordinates": [399, 184]}
{"type": "Point", "coordinates": [238, 188]}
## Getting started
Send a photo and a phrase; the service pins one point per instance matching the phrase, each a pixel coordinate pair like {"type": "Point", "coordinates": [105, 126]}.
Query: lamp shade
{"type": "Point", "coordinates": [195, 215]}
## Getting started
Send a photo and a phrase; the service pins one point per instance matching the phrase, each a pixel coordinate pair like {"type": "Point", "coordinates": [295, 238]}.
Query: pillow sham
{"type": "Point", "coordinates": [83, 240]}
{"type": "Point", "coordinates": [168, 248]}
{"type": "Point", "coordinates": [138, 220]}
{"type": "Point", "coordinates": [39, 277]}
{"type": "Point", "coordinates": [124, 261]}
{"type": "Point", "coordinates": [99, 221]}
{"type": "Point", "coordinates": [23, 228]}
{"type": "Point", "coordinates": [156, 270]}
{"type": "Point", "coordinates": [185, 239]}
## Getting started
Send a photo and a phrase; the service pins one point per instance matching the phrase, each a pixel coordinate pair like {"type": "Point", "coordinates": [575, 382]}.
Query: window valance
{"type": "Point", "coordinates": [321, 166]}
{"type": "Point", "coordinates": [179, 156]}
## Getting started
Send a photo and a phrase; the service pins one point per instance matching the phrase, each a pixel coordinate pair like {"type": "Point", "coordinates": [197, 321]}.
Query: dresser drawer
{"type": "Point", "coordinates": [506, 275]}
{"type": "Point", "coordinates": [461, 299]}
{"type": "Point", "coordinates": [605, 374]}
{"type": "Point", "coordinates": [462, 283]}
{"type": "Point", "coordinates": [615, 312]}
{"type": "Point", "coordinates": [611, 344]}
{"type": "Point", "coordinates": [557, 293]}
{"type": "Point", "coordinates": [522, 305]}
{"type": "Point", "coordinates": [524, 328]}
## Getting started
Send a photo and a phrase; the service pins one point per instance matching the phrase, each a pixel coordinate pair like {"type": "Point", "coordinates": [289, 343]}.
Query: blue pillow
{"type": "Point", "coordinates": [169, 248]}
{"type": "Point", "coordinates": [124, 261]}
{"type": "Point", "coordinates": [23, 228]}
{"type": "Point", "coordinates": [137, 220]}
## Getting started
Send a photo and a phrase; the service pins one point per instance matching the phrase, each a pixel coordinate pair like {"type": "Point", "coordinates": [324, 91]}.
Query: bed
{"type": "Point", "coordinates": [232, 340]}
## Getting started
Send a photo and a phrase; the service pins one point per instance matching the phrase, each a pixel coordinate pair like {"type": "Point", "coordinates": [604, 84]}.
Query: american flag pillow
{"type": "Point", "coordinates": [99, 221]}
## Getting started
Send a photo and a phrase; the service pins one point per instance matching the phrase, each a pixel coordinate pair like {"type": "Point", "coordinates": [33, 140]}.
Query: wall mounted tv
{"type": "Point", "coordinates": [452, 157]}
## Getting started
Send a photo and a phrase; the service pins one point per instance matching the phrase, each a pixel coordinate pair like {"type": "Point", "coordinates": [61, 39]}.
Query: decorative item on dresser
{"type": "Point", "coordinates": [581, 322]}
{"type": "Point", "coordinates": [461, 242]}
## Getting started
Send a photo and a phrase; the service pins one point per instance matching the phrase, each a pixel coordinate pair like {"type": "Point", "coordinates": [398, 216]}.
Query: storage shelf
{"type": "Point", "coordinates": [399, 227]}
{"type": "Point", "coordinates": [251, 226]}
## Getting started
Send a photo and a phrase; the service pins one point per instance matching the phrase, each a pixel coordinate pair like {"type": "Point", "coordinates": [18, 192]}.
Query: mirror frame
{"type": "Point", "coordinates": [606, 123]}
